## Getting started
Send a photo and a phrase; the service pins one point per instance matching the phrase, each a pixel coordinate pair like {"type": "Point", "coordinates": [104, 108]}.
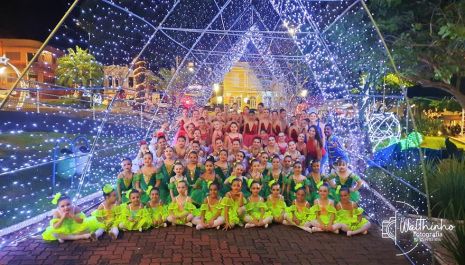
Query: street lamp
{"type": "Point", "coordinates": [304, 93]}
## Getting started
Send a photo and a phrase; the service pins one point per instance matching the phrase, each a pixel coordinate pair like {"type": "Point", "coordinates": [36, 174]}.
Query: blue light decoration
{"type": "Point", "coordinates": [323, 47]}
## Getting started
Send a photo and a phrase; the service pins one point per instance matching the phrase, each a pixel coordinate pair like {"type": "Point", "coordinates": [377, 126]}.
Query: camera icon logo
{"type": "Point", "coordinates": [388, 228]}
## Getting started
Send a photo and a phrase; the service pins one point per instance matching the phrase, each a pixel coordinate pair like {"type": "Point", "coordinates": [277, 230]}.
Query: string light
{"type": "Point", "coordinates": [321, 47]}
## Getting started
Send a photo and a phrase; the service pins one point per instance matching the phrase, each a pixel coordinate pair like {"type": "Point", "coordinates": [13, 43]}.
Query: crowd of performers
{"type": "Point", "coordinates": [227, 169]}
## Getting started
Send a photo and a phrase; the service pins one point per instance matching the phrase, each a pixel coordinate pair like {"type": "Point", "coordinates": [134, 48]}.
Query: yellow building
{"type": "Point", "coordinates": [19, 52]}
{"type": "Point", "coordinates": [241, 86]}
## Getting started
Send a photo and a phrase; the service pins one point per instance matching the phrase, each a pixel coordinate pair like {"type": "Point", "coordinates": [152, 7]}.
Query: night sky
{"type": "Point", "coordinates": [30, 19]}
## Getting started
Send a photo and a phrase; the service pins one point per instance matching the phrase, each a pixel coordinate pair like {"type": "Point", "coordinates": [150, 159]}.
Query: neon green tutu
{"type": "Point", "coordinates": [180, 215]}
{"type": "Point", "coordinates": [278, 208]}
{"type": "Point", "coordinates": [350, 218]}
{"type": "Point", "coordinates": [254, 210]}
{"type": "Point", "coordinates": [157, 213]}
{"type": "Point", "coordinates": [200, 191]}
{"type": "Point", "coordinates": [303, 215]}
{"type": "Point", "coordinates": [233, 208]}
{"type": "Point", "coordinates": [68, 227]}
{"type": "Point", "coordinates": [211, 210]}
{"type": "Point", "coordinates": [325, 218]}
{"type": "Point", "coordinates": [139, 218]}
{"type": "Point", "coordinates": [107, 217]}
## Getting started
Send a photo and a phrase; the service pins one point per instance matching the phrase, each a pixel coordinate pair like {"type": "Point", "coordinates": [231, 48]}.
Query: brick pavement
{"type": "Point", "coordinates": [175, 245]}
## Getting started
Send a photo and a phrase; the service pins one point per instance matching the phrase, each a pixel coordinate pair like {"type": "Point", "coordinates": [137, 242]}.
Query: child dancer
{"type": "Point", "coordinates": [296, 181]}
{"type": "Point", "coordinates": [315, 180]}
{"type": "Point", "coordinates": [155, 208]}
{"type": "Point", "coordinates": [255, 173]}
{"type": "Point", "coordinates": [345, 178]}
{"type": "Point", "coordinates": [200, 188]}
{"type": "Point", "coordinates": [232, 135]}
{"type": "Point", "coordinates": [166, 172]}
{"type": "Point", "coordinates": [298, 214]}
{"type": "Point", "coordinates": [210, 211]}
{"type": "Point", "coordinates": [238, 170]}
{"type": "Point", "coordinates": [222, 168]}
{"type": "Point", "coordinates": [181, 211]}
{"type": "Point", "coordinates": [193, 169]}
{"type": "Point", "coordinates": [233, 205]}
{"type": "Point", "coordinates": [178, 170]}
{"type": "Point", "coordinates": [273, 174]}
{"type": "Point", "coordinates": [107, 212]}
{"type": "Point", "coordinates": [133, 215]}
{"type": "Point", "coordinates": [257, 213]}
{"type": "Point", "coordinates": [124, 180]}
{"type": "Point", "coordinates": [67, 222]}
{"type": "Point", "coordinates": [349, 215]}
{"type": "Point", "coordinates": [275, 202]}
{"type": "Point", "coordinates": [323, 212]}
{"type": "Point", "coordinates": [145, 177]}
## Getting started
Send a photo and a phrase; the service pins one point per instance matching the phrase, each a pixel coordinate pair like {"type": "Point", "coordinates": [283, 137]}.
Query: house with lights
{"type": "Point", "coordinates": [18, 53]}
{"type": "Point", "coordinates": [240, 85]}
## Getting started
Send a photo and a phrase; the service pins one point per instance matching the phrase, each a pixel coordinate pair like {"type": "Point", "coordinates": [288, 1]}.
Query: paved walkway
{"type": "Point", "coordinates": [175, 245]}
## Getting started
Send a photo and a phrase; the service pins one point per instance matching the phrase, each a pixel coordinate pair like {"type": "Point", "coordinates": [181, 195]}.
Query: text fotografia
{"type": "Point", "coordinates": [423, 230]}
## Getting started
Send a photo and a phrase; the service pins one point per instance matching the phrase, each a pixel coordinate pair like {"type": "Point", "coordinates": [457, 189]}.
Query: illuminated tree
{"type": "Point", "coordinates": [79, 68]}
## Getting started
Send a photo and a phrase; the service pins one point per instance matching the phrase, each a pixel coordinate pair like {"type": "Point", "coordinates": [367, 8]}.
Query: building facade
{"type": "Point", "coordinates": [19, 52]}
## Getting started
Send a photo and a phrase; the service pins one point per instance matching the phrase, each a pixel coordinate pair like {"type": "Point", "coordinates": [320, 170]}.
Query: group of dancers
{"type": "Point", "coordinates": [226, 169]}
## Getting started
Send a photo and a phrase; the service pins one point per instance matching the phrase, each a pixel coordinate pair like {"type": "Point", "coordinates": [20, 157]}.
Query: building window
{"type": "Point", "coordinates": [110, 81]}
{"type": "Point", "coordinates": [116, 82]}
{"type": "Point", "coordinates": [30, 55]}
{"type": "Point", "coordinates": [253, 102]}
{"type": "Point", "coordinates": [131, 82]}
{"type": "Point", "coordinates": [14, 56]}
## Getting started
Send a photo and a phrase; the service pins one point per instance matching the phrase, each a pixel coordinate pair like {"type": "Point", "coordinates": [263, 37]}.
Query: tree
{"type": "Point", "coordinates": [79, 68]}
{"type": "Point", "coordinates": [427, 39]}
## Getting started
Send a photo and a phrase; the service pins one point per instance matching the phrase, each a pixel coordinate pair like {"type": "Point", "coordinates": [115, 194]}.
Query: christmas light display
{"type": "Point", "coordinates": [331, 44]}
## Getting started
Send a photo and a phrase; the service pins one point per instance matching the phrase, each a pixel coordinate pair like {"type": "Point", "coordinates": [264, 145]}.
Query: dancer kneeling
{"type": "Point", "coordinates": [257, 213]}
{"type": "Point", "coordinates": [210, 211]}
{"type": "Point", "coordinates": [233, 205]}
{"type": "Point", "coordinates": [298, 214]}
{"type": "Point", "coordinates": [181, 211]}
{"type": "Point", "coordinates": [68, 222]}
{"type": "Point", "coordinates": [133, 216]}
{"type": "Point", "coordinates": [155, 208]}
{"type": "Point", "coordinates": [107, 213]}
{"type": "Point", "coordinates": [349, 215]}
{"type": "Point", "coordinates": [275, 202]}
{"type": "Point", "coordinates": [323, 212]}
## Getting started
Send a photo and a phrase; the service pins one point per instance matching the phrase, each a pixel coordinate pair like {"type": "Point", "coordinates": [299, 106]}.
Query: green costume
{"type": "Point", "coordinates": [200, 191]}
{"type": "Point", "coordinates": [172, 186]}
{"type": "Point", "coordinates": [71, 227]}
{"type": "Point", "coordinates": [211, 210]}
{"type": "Point", "coordinates": [350, 218]}
{"type": "Point", "coordinates": [277, 208]}
{"type": "Point", "coordinates": [144, 183]}
{"type": "Point", "coordinates": [166, 172]}
{"type": "Point", "coordinates": [124, 187]}
{"type": "Point", "coordinates": [323, 211]}
{"type": "Point", "coordinates": [108, 217]}
{"type": "Point", "coordinates": [180, 212]}
{"type": "Point", "coordinates": [133, 220]}
{"type": "Point", "coordinates": [233, 207]}
{"type": "Point", "coordinates": [302, 214]}
{"type": "Point", "coordinates": [294, 186]}
{"type": "Point", "coordinates": [266, 189]}
{"type": "Point", "coordinates": [254, 210]}
{"type": "Point", "coordinates": [314, 186]}
{"type": "Point", "coordinates": [351, 181]}
{"type": "Point", "coordinates": [192, 176]}
{"type": "Point", "coordinates": [158, 213]}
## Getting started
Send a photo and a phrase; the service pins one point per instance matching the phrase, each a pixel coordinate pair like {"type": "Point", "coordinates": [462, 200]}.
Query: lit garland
{"type": "Point", "coordinates": [331, 43]}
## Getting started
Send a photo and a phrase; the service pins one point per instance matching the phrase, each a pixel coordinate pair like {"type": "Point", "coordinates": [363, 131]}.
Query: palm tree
{"type": "Point", "coordinates": [79, 68]}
